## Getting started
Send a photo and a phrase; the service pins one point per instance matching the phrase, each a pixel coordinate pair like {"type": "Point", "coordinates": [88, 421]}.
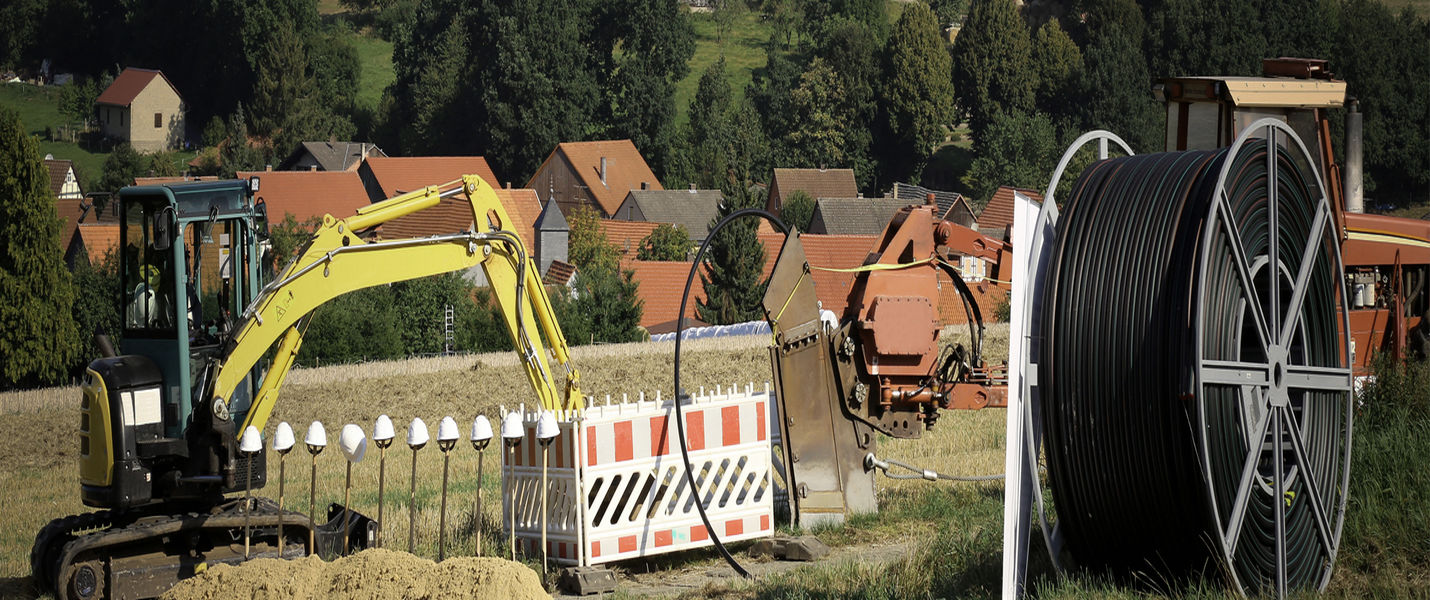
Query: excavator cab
{"type": "Point", "coordinates": [190, 262]}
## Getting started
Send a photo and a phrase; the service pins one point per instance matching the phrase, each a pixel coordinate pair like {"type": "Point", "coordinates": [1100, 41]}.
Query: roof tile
{"type": "Point", "coordinates": [997, 215]}
{"type": "Point", "coordinates": [818, 183]}
{"type": "Point", "coordinates": [694, 209]}
{"type": "Point", "coordinates": [400, 174]}
{"type": "Point", "coordinates": [854, 216]}
{"type": "Point", "coordinates": [661, 286]}
{"type": "Point", "coordinates": [454, 215]}
{"type": "Point", "coordinates": [128, 84]}
{"type": "Point", "coordinates": [626, 170]}
{"type": "Point", "coordinates": [307, 195]}
{"type": "Point", "coordinates": [626, 236]}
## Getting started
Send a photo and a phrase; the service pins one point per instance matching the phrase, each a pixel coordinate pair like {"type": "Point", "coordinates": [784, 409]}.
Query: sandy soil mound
{"type": "Point", "coordinates": [370, 574]}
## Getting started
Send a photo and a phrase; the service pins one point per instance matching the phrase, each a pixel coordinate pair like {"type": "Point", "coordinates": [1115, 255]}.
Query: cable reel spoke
{"type": "Point", "coordinates": [1277, 501]}
{"type": "Point", "coordinates": [1330, 379]}
{"type": "Point", "coordinates": [1232, 238]}
{"type": "Point", "coordinates": [1230, 372]}
{"type": "Point", "coordinates": [1273, 230]}
{"type": "Point", "coordinates": [1303, 276]}
{"type": "Point", "coordinates": [1314, 490]}
{"type": "Point", "coordinates": [1232, 534]}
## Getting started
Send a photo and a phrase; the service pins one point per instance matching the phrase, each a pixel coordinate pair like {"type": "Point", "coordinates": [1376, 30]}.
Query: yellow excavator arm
{"type": "Point", "coordinates": [338, 261]}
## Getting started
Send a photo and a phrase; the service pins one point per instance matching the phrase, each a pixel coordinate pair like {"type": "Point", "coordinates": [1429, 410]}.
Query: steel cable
{"type": "Point", "coordinates": [1147, 328]}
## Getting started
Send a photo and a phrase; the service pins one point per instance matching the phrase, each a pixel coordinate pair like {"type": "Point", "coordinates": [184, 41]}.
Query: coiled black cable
{"type": "Point", "coordinates": [679, 394]}
{"type": "Point", "coordinates": [1147, 336]}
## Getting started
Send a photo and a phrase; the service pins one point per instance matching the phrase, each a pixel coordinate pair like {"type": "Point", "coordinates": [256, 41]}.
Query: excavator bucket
{"type": "Point", "coordinates": [824, 447]}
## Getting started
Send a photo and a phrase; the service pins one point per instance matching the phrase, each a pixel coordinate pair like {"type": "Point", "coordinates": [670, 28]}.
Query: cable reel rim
{"type": "Point", "coordinates": [1046, 223]}
{"type": "Point", "coordinates": [1273, 130]}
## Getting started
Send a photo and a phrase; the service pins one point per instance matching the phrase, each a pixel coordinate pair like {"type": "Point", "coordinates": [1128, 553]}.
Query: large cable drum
{"type": "Point", "coordinates": [1194, 367]}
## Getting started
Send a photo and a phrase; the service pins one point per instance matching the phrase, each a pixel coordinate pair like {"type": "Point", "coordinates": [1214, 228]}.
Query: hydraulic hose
{"type": "Point", "coordinates": [1195, 390]}
{"type": "Point", "coordinates": [679, 395]}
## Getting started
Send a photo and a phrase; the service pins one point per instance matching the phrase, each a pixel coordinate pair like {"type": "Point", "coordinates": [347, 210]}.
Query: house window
{"type": "Point", "coordinates": [158, 120]}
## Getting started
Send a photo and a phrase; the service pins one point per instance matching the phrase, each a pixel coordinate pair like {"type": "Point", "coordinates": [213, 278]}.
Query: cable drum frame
{"type": "Point", "coordinates": [1267, 380]}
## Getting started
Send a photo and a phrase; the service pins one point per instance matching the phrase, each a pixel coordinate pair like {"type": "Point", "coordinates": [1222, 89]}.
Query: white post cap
{"type": "Point", "coordinates": [511, 428]}
{"type": "Point", "coordinates": [317, 436]}
{"type": "Point", "coordinates": [353, 442]}
{"type": "Point", "coordinates": [283, 438]}
{"type": "Point", "coordinates": [417, 433]}
{"type": "Point", "coordinates": [481, 429]}
{"type": "Point", "coordinates": [447, 430]}
{"type": "Point", "coordinates": [546, 426]}
{"type": "Point", "coordinates": [382, 430]}
{"type": "Point", "coordinates": [252, 440]}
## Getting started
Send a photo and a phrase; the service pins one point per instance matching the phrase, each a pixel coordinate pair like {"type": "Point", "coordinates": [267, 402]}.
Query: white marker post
{"type": "Point", "coordinates": [382, 435]}
{"type": "Point", "coordinates": [249, 445]}
{"type": "Point", "coordinates": [416, 438]}
{"type": "Point", "coordinates": [446, 440]}
{"type": "Point", "coordinates": [512, 432]}
{"type": "Point", "coordinates": [481, 435]}
{"type": "Point", "coordinates": [316, 440]}
{"type": "Point", "coordinates": [354, 445]}
{"type": "Point", "coordinates": [282, 443]}
{"type": "Point", "coordinates": [546, 431]}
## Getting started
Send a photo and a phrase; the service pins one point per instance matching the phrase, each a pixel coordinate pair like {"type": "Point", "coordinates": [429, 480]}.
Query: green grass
{"type": "Point", "coordinates": [743, 48]}
{"type": "Point", "coordinates": [39, 108]}
{"type": "Point", "coordinates": [1421, 7]}
{"type": "Point", "coordinates": [375, 57]}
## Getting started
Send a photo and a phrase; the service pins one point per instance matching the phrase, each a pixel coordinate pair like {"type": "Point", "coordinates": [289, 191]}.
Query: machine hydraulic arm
{"type": "Point", "coordinates": [339, 260]}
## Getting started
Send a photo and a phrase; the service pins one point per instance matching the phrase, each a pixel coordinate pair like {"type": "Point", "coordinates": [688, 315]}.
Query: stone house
{"type": "Point", "coordinates": [142, 107]}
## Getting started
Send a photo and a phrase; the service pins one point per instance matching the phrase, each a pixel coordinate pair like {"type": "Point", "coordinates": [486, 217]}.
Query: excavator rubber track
{"type": "Point", "coordinates": [83, 557]}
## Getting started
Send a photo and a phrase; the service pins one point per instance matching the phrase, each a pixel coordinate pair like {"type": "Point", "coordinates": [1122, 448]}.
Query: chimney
{"type": "Point", "coordinates": [313, 168]}
{"type": "Point", "coordinates": [268, 168]}
{"type": "Point", "coordinates": [645, 185]}
{"type": "Point", "coordinates": [508, 185]}
{"type": "Point", "coordinates": [931, 200]}
{"type": "Point", "coordinates": [692, 188]}
{"type": "Point", "coordinates": [603, 170]}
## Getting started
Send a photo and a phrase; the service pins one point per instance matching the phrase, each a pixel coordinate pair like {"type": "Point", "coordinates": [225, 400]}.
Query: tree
{"type": "Point", "coordinates": [587, 245]}
{"type": "Point", "coordinates": [357, 326]}
{"type": "Point", "coordinates": [96, 287]}
{"type": "Point", "coordinates": [918, 99]}
{"type": "Point", "coordinates": [1019, 150]}
{"type": "Point", "coordinates": [992, 64]}
{"type": "Point", "coordinates": [1116, 89]}
{"type": "Point", "coordinates": [658, 41]}
{"type": "Point", "coordinates": [818, 136]}
{"type": "Point", "coordinates": [797, 210]}
{"type": "Point", "coordinates": [710, 124]}
{"type": "Point", "coordinates": [422, 304]}
{"type": "Point", "coordinates": [1058, 63]}
{"type": "Point", "coordinates": [852, 49]}
{"type": "Point", "coordinates": [237, 153]}
{"type": "Point", "coordinates": [727, 13]}
{"type": "Point", "coordinates": [1203, 37]}
{"type": "Point", "coordinates": [121, 167]}
{"type": "Point", "coordinates": [666, 242]}
{"type": "Point", "coordinates": [731, 277]}
{"type": "Point", "coordinates": [76, 100]}
{"type": "Point", "coordinates": [606, 298]}
{"type": "Point", "coordinates": [37, 331]}
{"type": "Point", "coordinates": [288, 236]}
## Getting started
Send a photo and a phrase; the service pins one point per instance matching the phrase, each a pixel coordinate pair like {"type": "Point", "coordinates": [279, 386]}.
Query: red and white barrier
{"type": "Point", "coordinates": [617, 484]}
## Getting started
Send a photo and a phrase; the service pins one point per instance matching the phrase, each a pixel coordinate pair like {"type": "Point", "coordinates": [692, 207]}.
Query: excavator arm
{"type": "Point", "coordinates": [338, 260]}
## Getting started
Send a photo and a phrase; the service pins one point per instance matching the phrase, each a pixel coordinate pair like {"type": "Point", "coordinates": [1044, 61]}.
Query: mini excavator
{"type": "Point", "coordinates": [208, 337]}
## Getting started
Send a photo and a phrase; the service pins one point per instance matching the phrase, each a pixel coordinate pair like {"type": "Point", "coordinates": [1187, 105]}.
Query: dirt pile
{"type": "Point", "coordinates": [370, 574]}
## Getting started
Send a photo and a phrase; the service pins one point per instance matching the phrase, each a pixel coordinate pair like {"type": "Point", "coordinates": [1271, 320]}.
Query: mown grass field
{"type": "Point", "coordinates": [952, 531]}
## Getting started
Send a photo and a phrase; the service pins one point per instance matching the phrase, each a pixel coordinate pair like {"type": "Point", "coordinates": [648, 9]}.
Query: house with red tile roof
{"type": "Point", "coordinates": [142, 107]}
{"type": "Point", "coordinates": [595, 174]}
{"type": "Point", "coordinates": [454, 215]}
{"type": "Point", "coordinates": [660, 286]}
{"type": "Point", "coordinates": [818, 183]}
{"type": "Point", "coordinates": [997, 215]}
{"type": "Point", "coordinates": [308, 195]}
{"type": "Point", "coordinates": [90, 243]}
{"type": "Point", "coordinates": [386, 176]}
{"type": "Point", "coordinates": [332, 156]}
{"type": "Point", "coordinates": [626, 236]}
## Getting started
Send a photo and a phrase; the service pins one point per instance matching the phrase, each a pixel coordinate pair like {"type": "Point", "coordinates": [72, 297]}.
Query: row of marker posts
{"type": "Point", "coordinates": [354, 446]}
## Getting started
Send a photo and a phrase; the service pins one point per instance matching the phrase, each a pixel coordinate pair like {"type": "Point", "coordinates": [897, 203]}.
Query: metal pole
{"type": "Point", "coordinates": [347, 508]}
{"type": "Point", "coordinates": [545, 458]}
{"type": "Point", "coordinates": [511, 503]}
{"type": "Point", "coordinates": [247, 504]}
{"type": "Point", "coordinates": [442, 520]}
{"type": "Point", "coordinates": [381, 481]}
{"type": "Point", "coordinates": [477, 514]}
{"type": "Point", "coordinates": [412, 507]}
{"type": "Point", "coordinates": [312, 507]}
{"type": "Point", "coordinates": [282, 476]}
